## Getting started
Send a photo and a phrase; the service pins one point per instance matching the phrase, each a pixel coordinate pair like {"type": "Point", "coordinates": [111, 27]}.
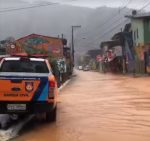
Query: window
{"type": "Point", "coordinates": [137, 33]}
{"type": "Point", "coordinates": [24, 66]}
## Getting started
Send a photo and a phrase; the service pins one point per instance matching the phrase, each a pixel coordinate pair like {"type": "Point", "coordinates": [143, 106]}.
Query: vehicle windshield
{"type": "Point", "coordinates": [24, 66]}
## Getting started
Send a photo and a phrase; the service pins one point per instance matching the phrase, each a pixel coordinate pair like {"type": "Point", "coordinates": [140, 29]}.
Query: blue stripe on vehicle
{"type": "Point", "coordinates": [43, 83]}
{"type": "Point", "coordinates": [44, 94]}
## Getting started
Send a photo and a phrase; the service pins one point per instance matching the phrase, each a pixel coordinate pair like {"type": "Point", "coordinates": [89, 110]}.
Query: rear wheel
{"type": "Point", "coordinates": [51, 116]}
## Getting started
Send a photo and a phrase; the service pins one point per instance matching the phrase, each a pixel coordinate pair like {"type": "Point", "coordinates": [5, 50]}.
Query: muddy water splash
{"type": "Point", "coordinates": [14, 130]}
{"type": "Point", "coordinates": [4, 119]}
{"type": "Point", "coordinates": [99, 107]}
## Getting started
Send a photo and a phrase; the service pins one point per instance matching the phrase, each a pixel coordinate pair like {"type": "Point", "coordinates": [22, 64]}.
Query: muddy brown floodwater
{"type": "Point", "coordinates": [98, 107]}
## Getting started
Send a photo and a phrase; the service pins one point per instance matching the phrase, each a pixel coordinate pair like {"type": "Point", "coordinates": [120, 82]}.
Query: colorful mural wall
{"type": "Point", "coordinates": [36, 43]}
{"type": "Point", "coordinates": [140, 52]}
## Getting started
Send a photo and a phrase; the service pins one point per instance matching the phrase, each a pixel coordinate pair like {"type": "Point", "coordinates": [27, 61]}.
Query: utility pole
{"type": "Point", "coordinates": [62, 36]}
{"type": "Point", "coordinates": [73, 51]}
{"type": "Point", "coordinates": [123, 55]}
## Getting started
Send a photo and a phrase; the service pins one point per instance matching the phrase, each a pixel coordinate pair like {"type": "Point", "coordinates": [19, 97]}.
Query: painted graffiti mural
{"type": "Point", "coordinates": [38, 43]}
{"type": "Point", "coordinates": [35, 41]}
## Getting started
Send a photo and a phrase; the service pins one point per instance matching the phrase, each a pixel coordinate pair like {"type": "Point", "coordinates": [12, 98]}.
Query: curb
{"type": "Point", "coordinates": [64, 85]}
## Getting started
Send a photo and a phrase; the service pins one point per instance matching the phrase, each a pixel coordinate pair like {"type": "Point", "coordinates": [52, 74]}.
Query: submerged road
{"type": "Point", "coordinates": [98, 107]}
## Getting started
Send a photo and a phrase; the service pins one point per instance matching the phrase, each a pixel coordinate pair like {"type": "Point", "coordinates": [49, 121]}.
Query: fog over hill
{"type": "Point", "coordinates": [57, 19]}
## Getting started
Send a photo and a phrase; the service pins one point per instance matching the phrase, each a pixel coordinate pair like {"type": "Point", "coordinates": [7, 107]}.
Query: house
{"type": "Point", "coordinates": [35, 43]}
{"type": "Point", "coordinates": [112, 56]}
{"type": "Point", "coordinates": [93, 53]}
{"type": "Point", "coordinates": [119, 52]}
{"type": "Point", "coordinates": [140, 26]}
{"type": "Point", "coordinates": [95, 57]}
{"type": "Point", "coordinates": [128, 53]}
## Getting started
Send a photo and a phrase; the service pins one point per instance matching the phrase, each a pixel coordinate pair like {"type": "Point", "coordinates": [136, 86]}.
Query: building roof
{"type": "Point", "coordinates": [110, 44]}
{"type": "Point", "coordinates": [32, 35]}
{"type": "Point", "coordinates": [94, 52]}
{"type": "Point", "coordinates": [117, 36]}
{"type": "Point", "coordinates": [139, 16]}
{"type": "Point", "coordinates": [64, 41]}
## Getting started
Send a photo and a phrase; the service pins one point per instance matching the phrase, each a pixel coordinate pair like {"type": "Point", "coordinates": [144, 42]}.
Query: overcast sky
{"type": "Point", "coordinates": [98, 3]}
{"type": "Point", "coordinates": [137, 4]}
{"type": "Point", "coordinates": [24, 22]}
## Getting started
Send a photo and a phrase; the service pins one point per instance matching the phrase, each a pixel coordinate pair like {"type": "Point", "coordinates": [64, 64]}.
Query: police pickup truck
{"type": "Point", "coordinates": [27, 86]}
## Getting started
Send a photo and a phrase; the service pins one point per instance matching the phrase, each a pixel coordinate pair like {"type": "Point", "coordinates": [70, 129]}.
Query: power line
{"type": "Point", "coordinates": [117, 13]}
{"type": "Point", "coordinates": [113, 15]}
{"type": "Point", "coordinates": [120, 23]}
{"type": "Point", "coordinates": [144, 6]}
{"type": "Point", "coordinates": [112, 29]}
{"type": "Point", "coordinates": [126, 20]}
{"type": "Point", "coordinates": [138, 11]}
{"type": "Point", "coordinates": [28, 7]}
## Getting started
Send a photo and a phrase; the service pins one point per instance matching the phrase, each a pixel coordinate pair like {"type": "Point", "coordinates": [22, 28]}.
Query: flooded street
{"type": "Point", "coordinates": [98, 107]}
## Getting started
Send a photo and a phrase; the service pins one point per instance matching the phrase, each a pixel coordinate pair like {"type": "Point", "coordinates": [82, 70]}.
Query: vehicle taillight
{"type": "Point", "coordinates": [52, 84]}
{"type": "Point", "coordinates": [51, 89]}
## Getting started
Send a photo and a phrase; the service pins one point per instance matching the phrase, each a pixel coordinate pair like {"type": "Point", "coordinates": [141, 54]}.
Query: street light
{"type": "Point", "coordinates": [73, 27]}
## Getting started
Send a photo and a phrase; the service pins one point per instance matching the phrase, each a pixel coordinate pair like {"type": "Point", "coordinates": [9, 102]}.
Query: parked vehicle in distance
{"type": "Point", "coordinates": [86, 68]}
{"type": "Point", "coordinates": [80, 67]}
{"type": "Point", "coordinates": [28, 87]}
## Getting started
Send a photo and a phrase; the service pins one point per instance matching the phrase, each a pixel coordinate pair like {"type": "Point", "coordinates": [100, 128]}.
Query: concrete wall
{"type": "Point", "coordinates": [138, 43]}
{"type": "Point", "coordinates": [137, 32]}
{"type": "Point", "coordinates": [147, 31]}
